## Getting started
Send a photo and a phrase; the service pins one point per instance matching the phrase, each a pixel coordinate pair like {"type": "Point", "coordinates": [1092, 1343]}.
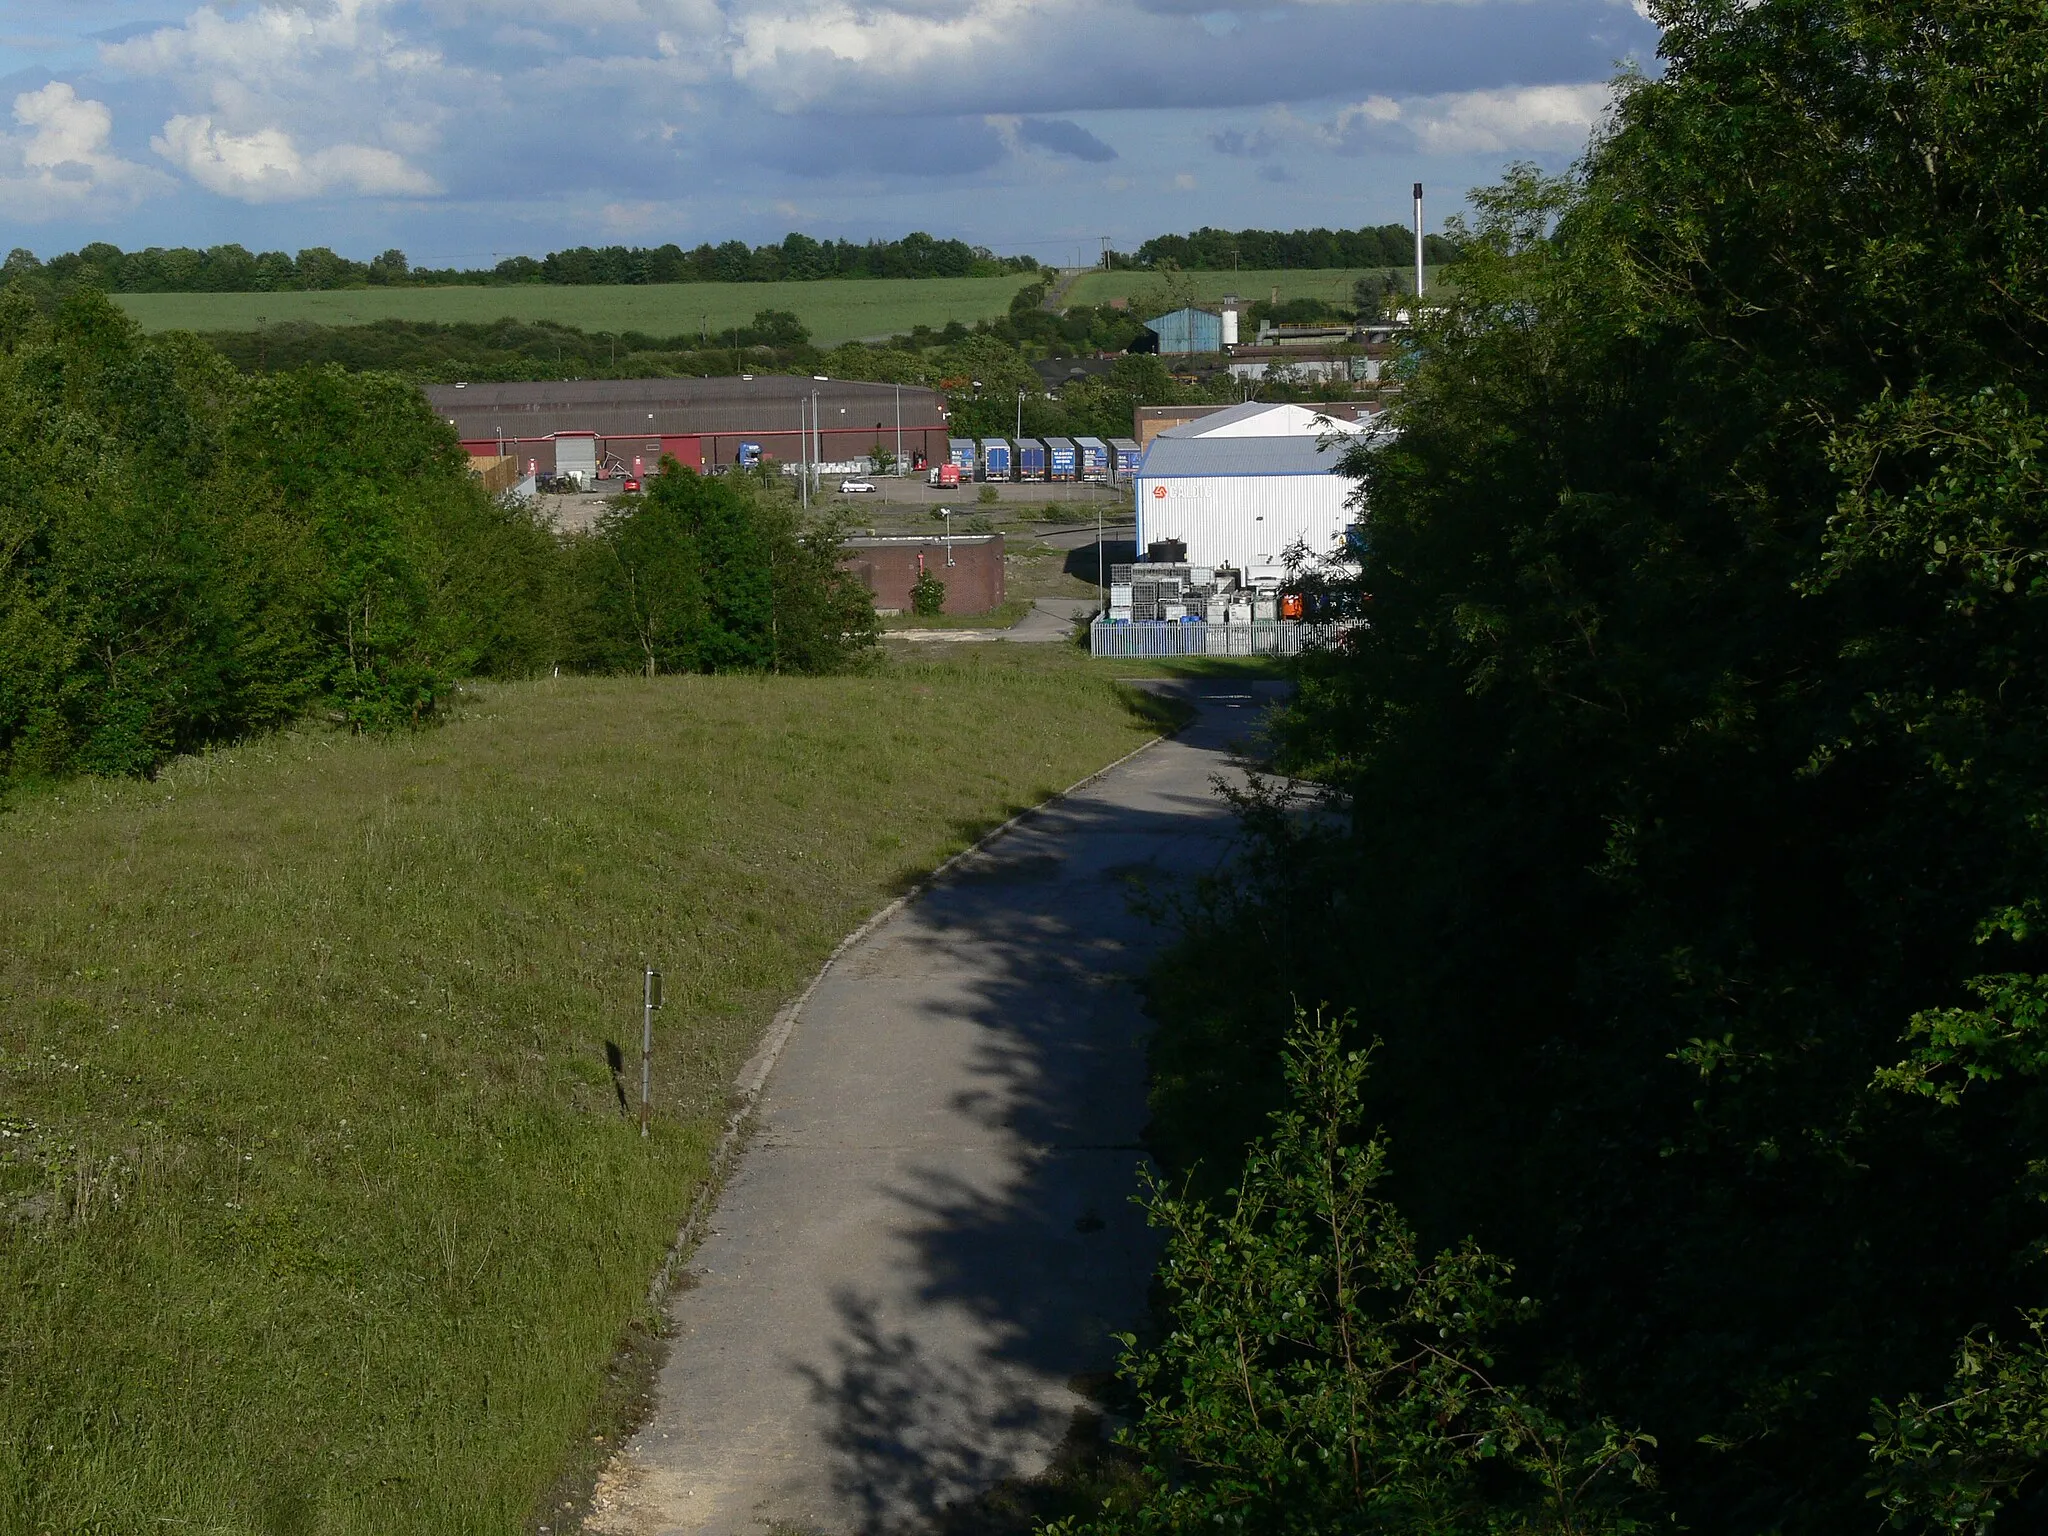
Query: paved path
{"type": "Point", "coordinates": [931, 1235]}
{"type": "Point", "coordinates": [1050, 621]}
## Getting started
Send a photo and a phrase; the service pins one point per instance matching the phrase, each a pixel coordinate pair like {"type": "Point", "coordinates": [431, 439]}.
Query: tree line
{"type": "Point", "coordinates": [189, 554]}
{"type": "Point", "coordinates": [235, 269]}
{"type": "Point", "coordinates": [1671, 1152]}
{"type": "Point", "coordinates": [1222, 250]}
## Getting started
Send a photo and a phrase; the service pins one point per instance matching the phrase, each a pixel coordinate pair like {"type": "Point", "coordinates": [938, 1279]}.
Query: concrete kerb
{"type": "Point", "coordinates": [753, 1077]}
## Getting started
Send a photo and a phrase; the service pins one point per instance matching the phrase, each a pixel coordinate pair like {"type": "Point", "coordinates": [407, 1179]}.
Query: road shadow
{"type": "Point", "coordinates": [1020, 1269]}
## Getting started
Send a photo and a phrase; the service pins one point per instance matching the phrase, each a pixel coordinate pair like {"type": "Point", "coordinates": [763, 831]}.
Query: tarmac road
{"type": "Point", "coordinates": [931, 1235]}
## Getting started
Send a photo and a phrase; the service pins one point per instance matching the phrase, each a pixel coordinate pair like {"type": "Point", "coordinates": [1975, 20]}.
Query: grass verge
{"type": "Point", "coordinates": [835, 310]}
{"type": "Point", "coordinates": [322, 1207]}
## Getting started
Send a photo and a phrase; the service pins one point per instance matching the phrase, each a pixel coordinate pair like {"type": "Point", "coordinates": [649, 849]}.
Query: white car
{"type": "Point", "coordinates": [849, 487]}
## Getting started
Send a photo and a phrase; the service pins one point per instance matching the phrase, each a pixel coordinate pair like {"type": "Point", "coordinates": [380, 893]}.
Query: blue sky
{"type": "Point", "coordinates": [462, 130]}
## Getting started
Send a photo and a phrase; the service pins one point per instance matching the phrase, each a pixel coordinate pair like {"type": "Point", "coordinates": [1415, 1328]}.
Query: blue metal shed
{"type": "Point", "coordinates": [1060, 457]}
{"type": "Point", "coordinates": [995, 458]}
{"type": "Point", "coordinates": [1094, 460]}
{"type": "Point", "coordinates": [1030, 459]}
{"type": "Point", "coordinates": [1186, 332]}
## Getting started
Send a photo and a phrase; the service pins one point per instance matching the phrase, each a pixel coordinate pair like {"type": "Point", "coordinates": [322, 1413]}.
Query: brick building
{"type": "Point", "coordinates": [890, 566]}
{"type": "Point", "coordinates": [705, 424]}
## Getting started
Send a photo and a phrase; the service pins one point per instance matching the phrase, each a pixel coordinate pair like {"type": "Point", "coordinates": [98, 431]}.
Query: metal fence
{"type": "Point", "coordinates": [1274, 637]}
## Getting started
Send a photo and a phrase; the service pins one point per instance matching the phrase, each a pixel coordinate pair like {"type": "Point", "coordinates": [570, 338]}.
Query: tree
{"type": "Point", "coordinates": [1693, 749]}
{"type": "Point", "coordinates": [1319, 1373]}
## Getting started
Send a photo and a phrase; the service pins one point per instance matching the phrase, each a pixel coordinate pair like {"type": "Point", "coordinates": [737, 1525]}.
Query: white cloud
{"type": "Point", "coordinates": [1513, 120]}
{"type": "Point", "coordinates": [63, 162]}
{"type": "Point", "coordinates": [266, 166]}
{"type": "Point", "coordinates": [1521, 118]}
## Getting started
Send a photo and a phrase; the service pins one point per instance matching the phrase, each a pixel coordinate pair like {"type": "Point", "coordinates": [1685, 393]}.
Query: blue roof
{"type": "Point", "coordinates": [1187, 458]}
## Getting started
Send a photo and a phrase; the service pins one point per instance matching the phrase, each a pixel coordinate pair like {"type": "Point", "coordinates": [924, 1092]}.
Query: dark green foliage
{"type": "Point", "coordinates": [1222, 250]}
{"type": "Point", "coordinates": [188, 554]}
{"type": "Point", "coordinates": [927, 595]}
{"type": "Point", "coordinates": [1695, 749]}
{"type": "Point", "coordinates": [713, 575]}
{"type": "Point", "coordinates": [1320, 1374]}
{"type": "Point", "coordinates": [232, 269]}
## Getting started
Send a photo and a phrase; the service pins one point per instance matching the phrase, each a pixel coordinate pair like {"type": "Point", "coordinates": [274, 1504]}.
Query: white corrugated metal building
{"type": "Point", "coordinates": [1243, 486]}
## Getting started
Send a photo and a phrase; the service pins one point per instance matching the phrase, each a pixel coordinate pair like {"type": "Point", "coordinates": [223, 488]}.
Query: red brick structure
{"type": "Point", "coordinates": [890, 567]}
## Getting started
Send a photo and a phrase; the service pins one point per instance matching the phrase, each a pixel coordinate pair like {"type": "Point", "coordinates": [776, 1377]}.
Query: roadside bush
{"type": "Point", "coordinates": [1321, 1372]}
{"type": "Point", "coordinates": [927, 596]}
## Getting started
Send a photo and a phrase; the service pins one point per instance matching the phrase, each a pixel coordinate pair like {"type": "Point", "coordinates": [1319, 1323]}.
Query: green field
{"type": "Point", "coordinates": [835, 311]}
{"type": "Point", "coordinates": [320, 1206]}
{"type": "Point", "coordinates": [1332, 285]}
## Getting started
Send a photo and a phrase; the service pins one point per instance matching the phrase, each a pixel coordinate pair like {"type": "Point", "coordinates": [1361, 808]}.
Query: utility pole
{"type": "Point", "coordinates": [899, 429]}
{"type": "Point", "coordinates": [803, 453]}
{"type": "Point", "coordinates": [650, 999]}
{"type": "Point", "coordinates": [1418, 250]}
{"type": "Point", "coordinates": [817, 444]}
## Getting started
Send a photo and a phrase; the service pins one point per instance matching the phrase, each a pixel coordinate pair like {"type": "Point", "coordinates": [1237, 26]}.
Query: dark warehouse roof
{"type": "Point", "coordinates": [621, 407]}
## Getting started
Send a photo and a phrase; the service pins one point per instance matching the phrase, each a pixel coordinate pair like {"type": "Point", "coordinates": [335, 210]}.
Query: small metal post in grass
{"type": "Point", "coordinates": [650, 999]}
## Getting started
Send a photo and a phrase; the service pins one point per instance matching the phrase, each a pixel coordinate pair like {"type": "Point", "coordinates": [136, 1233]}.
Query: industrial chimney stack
{"type": "Point", "coordinates": [1418, 244]}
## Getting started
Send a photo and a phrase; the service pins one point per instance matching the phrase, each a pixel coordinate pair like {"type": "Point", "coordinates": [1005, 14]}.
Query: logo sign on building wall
{"type": "Point", "coordinates": [1159, 493]}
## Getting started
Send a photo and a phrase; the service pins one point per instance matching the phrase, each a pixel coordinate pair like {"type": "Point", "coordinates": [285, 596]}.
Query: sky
{"type": "Point", "coordinates": [462, 131]}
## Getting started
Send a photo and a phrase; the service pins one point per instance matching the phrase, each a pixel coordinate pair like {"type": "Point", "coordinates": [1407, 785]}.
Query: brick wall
{"type": "Point", "coordinates": [890, 567]}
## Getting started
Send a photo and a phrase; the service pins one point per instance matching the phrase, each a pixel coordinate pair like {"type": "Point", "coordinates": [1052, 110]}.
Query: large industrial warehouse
{"type": "Point", "coordinates": [589, 426]}
{"type": "Point", "coordinates": [1243, 486]}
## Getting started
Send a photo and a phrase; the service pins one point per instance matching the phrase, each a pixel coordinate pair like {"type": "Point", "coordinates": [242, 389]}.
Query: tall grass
{"type": "Point", "coordinates": [320, 1205]}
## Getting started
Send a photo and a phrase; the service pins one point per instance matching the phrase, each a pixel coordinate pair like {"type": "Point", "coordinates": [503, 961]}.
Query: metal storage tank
{"type": "Point", "coordinates": [960, 452]}
{"type": "Point", "coordinates": [995, 458]}
{"type": "Point", "coordinates": [1059, 458]}
{"type": "Point", "coordinates": [1030, 459]}
{"type": "Point", "coordinates": [1094, 458]}
{"type": "Point", "coordinates": [1187, 332]}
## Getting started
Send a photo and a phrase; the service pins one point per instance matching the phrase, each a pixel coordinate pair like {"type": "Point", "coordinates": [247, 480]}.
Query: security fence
{"type": "Point", "coordinates": [1275, 637]}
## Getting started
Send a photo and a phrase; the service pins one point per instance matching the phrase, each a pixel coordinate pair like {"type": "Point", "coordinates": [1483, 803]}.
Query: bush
{"type": "Point", "coordinates": [1319, 1373]}
{"type": "Point", "coordinates": [188, 554]}
{"type": "Point", "coordinates": [713, 575]}
{"type": "Point", "coordinates": [927, 596]}
{"type": "Point", "coordinates": [191, 555]}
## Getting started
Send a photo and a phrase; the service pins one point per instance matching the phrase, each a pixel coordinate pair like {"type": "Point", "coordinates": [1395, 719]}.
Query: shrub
{"type": "Point", "coordinates": [927, 595]}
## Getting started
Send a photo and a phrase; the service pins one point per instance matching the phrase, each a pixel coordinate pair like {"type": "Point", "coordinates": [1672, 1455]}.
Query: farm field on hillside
{"type": "Point", "coordinates": [1332, 285]}
{"type": "Point", "coordinates": [322, 1204]}
{"type": "Point", "coordinates": [835, 311]}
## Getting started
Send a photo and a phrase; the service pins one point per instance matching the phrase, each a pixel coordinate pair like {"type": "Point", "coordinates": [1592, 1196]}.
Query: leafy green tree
{"type": "Point", "coordinates": [1320, 1373]}
{"type": "Point", "coordinates": [1693, 746]}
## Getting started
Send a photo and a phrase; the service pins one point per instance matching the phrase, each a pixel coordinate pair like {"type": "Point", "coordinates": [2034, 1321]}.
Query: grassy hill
{"type": "Point", "coordinates": [835, 310]}
{"type": "Point", "coordinates": [321, 1205]}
